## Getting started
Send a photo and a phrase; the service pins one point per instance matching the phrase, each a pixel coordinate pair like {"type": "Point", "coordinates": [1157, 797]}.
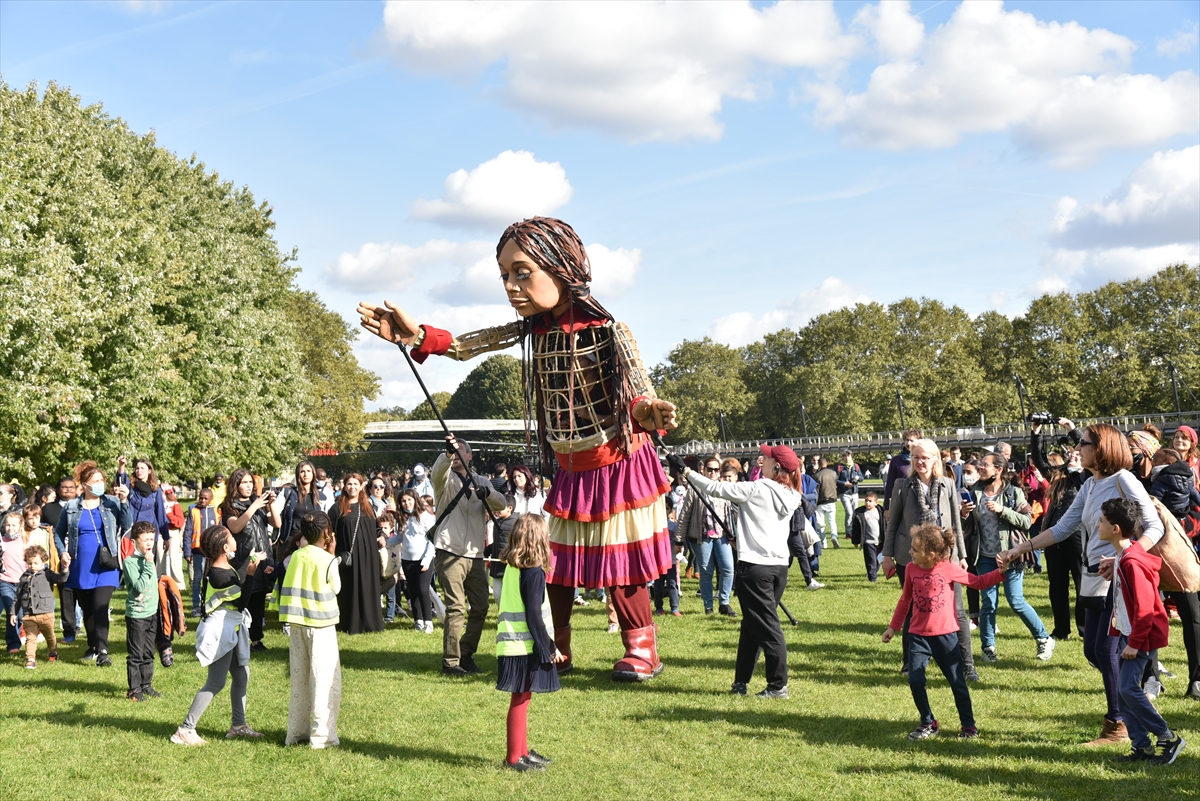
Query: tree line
{"type": "Point", "coordinates": [146, 309]}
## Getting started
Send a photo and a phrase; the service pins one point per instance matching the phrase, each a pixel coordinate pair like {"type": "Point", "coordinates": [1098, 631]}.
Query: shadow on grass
{"type": "Point", "coordinates": [98, 688]}
{"type": "Point", "coordinates": [385, 751]}
{"type": "Point", "coordinates": [77, 715]}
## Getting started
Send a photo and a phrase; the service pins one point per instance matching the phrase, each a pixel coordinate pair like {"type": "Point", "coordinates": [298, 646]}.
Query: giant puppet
{"type": "Point", "coordinates": [594, 408]}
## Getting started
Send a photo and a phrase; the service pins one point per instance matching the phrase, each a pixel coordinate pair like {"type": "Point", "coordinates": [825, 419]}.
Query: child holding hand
{"type": "Point", "coordinates": [525, 650]}
{"type": "Point", "coordinates": [35, 598]}
{"type": "Point", "coordinates": [1140, 620]}
{"type": "Point", "coordinates": [933, 632]}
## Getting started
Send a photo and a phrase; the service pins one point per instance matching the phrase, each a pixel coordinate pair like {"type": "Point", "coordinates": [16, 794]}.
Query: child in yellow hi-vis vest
{"type": "Point", "coordinates": [308, 603]}
{"type": "Point", "coordinates": [525, 651]}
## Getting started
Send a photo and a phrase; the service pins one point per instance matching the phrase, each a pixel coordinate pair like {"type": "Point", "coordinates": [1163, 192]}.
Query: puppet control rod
{"type": "Point", "coordinates": [462, 451]}
{"type": "Point", "coordinates": [658, 441]}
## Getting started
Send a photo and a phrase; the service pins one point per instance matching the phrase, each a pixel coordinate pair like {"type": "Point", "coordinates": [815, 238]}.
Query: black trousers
{"type": "Point", "coordinates": [759, 590]}
{"type": "Point", "coordinates": [1064, 563]}
{"type": "Point", "coordinates": [964, 626]}
{"type": "Point", "coordinates": [66, 599]}
{"type": "Point", "coordinates": [257, 604]}
{"type": "Point", "coordinates": [417, 589]}
{"type": "Point", "coordinates": [1188, 604]}
{"type": "Point", "coordinates": [139, 642]}
{"type": "Point", "coordinates": [943, 651]}
{"type": "Point", "coordinates": [94, 604]}
{"type": "Point", "coordinates": [871, 559]}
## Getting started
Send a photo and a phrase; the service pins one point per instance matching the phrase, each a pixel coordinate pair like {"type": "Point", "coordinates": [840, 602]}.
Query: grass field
{"type": "Point", "coordinates": [67, 732]}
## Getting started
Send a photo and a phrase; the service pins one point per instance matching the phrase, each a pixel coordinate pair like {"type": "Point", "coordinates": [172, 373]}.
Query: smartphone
{"type": "Point", "coordinates": [965, 495]}
{"type": "Point", "coordinates": [888, 573]}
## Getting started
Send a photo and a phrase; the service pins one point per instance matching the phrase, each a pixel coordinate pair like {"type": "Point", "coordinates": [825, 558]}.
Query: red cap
{"type": "Point", "coordinates": [785, 456]}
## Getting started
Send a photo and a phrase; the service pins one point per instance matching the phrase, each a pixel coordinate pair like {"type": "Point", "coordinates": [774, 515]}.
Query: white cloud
{"type": "Point", "coordinates": [1057, 87]}
{"type": "Point", "coordinates": [394, 266]}
{"type": "Point", "coordinates": [743, 328]}
{"type": "Point", "coordinates": [505, 189]}
{"type": "Point", "coordinates": [1182, 42]}
{"type": "Point", "coordinates": [1159, 203]}
{"type": "Point", "coordinates": [1151, 220]}
{"type": "Point", "coordinates": [613, 271]}
{"type": "Point", "coordinates": [642, 70]}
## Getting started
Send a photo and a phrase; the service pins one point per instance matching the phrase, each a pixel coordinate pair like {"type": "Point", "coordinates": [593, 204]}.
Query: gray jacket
{"type": "Point", "coordinates": [904, 515]}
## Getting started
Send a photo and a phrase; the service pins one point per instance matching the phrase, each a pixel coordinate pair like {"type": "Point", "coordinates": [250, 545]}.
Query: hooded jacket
{"type": "Point", "coordinates": [1137, 577]}
{"type": "Point", "coordinates": [764, 515]}
{"type": "Point", "coordinates": [1175, 488]}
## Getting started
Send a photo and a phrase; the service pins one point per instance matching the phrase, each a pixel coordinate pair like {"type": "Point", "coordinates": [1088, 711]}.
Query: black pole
{"type": "Point", "coordinates": [804, 418]}
{"type": "Point", "coordinates": [462, 452]}
{"type": "Point", "coordinates": [900, 405]}
{"type": "Point", "coordinates": [721, 425]}
{"type": "Point", "coordinates": [1020, 394]}
{"type": "Point", "coordinates": [1175, 391]}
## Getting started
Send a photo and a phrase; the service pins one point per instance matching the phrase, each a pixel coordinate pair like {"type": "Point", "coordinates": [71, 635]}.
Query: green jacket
{"type": "Point", "coordinates": [141, 584]}
{"type": "Point", "coordinates": [1014, 515]}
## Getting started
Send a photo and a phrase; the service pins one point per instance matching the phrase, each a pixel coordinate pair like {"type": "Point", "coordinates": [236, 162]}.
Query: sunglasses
{"type": "Point", "coordinates": [710, 468]}
{"type": "Point", "coordinates": [1083, 443]}
{"type": "Point", "coordinates": [378, 486]}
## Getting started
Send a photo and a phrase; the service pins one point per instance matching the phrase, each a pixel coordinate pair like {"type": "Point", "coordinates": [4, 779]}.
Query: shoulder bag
{"type": "Point", "coordinates": [347, 557]}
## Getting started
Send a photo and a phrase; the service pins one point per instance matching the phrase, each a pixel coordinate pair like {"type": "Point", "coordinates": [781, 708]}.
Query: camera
{"type": "Point", "coordinates": [1042, 418]}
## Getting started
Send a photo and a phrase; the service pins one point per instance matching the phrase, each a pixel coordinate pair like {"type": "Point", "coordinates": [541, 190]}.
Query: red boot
{"type": "Point", "coordinates": [562, 641]}
{"type": "Point", "coordinates": [640, 662]}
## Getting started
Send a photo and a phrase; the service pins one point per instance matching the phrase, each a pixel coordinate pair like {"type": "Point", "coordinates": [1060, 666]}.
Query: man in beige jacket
{"type": "Point", "coordinates": [459, 541]}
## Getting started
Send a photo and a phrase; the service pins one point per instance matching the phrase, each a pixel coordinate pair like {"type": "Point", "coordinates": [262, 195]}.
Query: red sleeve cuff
{"type": "Point", "coordinates": [436, 343]}
{"type": "Point", "coordinates": [638, 427]}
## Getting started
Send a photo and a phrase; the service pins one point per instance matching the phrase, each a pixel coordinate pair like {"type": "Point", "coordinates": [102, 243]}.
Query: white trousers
{"type": "Point", "coordinates": [169, 560]}
{"type": "Point", "coordinates": [827, 514]}
{"type": "Point", "coordinates": [316, 670]}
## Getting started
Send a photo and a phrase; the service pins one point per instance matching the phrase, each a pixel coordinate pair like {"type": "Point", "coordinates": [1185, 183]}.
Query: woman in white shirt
{"type": "Point", "coordinates": [527, 496]}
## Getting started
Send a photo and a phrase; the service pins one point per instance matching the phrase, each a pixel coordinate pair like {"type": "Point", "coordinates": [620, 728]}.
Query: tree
{"type": "Point", "coordinates": [492, 391]}
{"type": "Point", "coordinates": [339, 384]}
{"type": "Point", "coordinates": [702, 378]}
{"type": "Point", "coordinates": [424, 411]}
{"type": "Point", "coordinates": [145, 308]}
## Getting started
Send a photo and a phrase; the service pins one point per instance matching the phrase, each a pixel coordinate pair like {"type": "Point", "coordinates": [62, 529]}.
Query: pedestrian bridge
{"type": "Point", "coordinates": [876, 442]}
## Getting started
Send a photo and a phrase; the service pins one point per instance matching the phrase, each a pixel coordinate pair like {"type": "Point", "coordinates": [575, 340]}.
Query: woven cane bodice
{"type": "Point", "coordinates": [578, 398]}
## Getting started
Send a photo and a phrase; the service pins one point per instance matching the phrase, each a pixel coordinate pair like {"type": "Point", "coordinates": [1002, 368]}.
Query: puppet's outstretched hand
{"type": "Point", "coordinates": [655, 415]}
{"type": "Point", "coordinates": [388, 322]}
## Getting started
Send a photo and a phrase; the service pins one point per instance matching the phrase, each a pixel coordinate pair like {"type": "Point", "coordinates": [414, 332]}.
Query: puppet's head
{"type": "Point", "coordinates": [555, 248]}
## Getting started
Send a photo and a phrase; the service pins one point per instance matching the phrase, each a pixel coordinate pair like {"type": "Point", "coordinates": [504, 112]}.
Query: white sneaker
{"type": "Point", "coordinates": [184, 736]}
{"type": "Point", "coordinates": [1045, 649]}
{"type": "Point", "coordinates": [429, 627]}
{"type": "Point", "coordinates": [816, 585]}
{"type": "Point", "coordinates": [419, 625]}
{"type": "Point", "coordinates": [613, 628]}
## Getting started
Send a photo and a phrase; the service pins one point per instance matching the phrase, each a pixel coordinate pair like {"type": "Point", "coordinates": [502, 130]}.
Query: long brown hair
{"type": "Point", "coordinates": [793, 480]}
{"type": "Point", "coordinates": [528, 542]}
{"type": "Point", "coordinates": [557, 249]}
{"type": "Point", "coordinates": [233, 492]}
{"type": "Point", "coordinates": [151, 476]}
{"type": "Point", "coordinates": [402, 516]}
{"type": "Point", "coordinates": [363, 500]}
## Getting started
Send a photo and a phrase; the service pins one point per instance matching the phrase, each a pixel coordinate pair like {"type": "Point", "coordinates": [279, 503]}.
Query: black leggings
{"type": "Point", "coordinates": [419, 602]}
{"type": "Point", "coordinates": [94, 604]}
{"type": "Point", "coordinates": [256, 603]}
{"type": "Point", "coordinates": [1188, 604]}
{"type": "Point", "coordinates": [1064, 563]}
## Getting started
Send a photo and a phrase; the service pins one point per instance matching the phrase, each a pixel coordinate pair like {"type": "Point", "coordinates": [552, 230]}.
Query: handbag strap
{"type": "Point", "coordinates": [354, 536]}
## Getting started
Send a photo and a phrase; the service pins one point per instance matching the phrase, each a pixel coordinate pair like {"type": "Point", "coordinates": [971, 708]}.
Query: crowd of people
{"type": "Point", "coordinates": [349, 555]}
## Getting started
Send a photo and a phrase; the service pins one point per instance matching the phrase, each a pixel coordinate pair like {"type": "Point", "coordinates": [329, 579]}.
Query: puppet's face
{"type": "Point", "coordinates": [531, 290]}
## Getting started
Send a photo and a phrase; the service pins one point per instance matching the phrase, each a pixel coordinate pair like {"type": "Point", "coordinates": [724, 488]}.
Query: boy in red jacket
{"type": "Point", "coordinates": [1141, 621]}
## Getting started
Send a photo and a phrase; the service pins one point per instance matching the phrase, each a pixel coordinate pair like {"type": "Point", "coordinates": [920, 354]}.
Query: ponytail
{"type": "Point", "coordinates": [212, 543]}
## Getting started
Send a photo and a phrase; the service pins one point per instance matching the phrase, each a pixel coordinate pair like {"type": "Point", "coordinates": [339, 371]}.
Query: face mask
{"type": "Point", "coordinates": [1074, 469]}
{"type": "Point", "coordinates": [969, 479]}
{"type": "Point", "coordinates": [320, 482]}
{"type": "Point", "coordinates": [97, 488]}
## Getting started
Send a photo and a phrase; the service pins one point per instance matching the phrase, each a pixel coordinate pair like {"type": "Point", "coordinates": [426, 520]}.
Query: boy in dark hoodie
{"type": "Point", "coordinates": [35, 598]}
{"type": "Point", "coordinates": [1172, 483]}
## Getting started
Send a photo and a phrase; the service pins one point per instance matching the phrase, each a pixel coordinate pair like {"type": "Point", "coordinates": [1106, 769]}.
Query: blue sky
{"type": "Point", "coordinates": [737, 167]}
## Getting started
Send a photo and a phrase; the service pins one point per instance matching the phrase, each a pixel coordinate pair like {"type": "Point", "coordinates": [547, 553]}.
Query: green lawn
{"type": "Point", "coordinates": [67, 731]}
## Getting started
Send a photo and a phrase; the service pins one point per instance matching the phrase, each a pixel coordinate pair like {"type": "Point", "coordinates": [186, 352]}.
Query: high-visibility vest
{"type": "Point", "coordinates": [222, 599]}
{"type": "Point", "coordinates": [197, 530]}
{"type": "Point", "coordinates": [512, 629]}
{"type": "Point", "coordinates": [307, 597]}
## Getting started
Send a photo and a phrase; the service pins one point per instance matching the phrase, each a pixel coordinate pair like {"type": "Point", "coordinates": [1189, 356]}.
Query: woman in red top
{"type": "Point", "coordinates": [933, 630]}
{"type": "Point", "coordinates": [590, 396]}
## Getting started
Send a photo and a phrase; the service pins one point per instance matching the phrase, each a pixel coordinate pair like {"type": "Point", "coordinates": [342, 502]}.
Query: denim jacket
{"type": "Point", "coordinates": [115, 513]}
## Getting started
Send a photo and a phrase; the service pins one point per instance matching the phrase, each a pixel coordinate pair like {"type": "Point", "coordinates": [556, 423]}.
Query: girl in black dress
{"type": "Point", "coordinates": [358, 536]}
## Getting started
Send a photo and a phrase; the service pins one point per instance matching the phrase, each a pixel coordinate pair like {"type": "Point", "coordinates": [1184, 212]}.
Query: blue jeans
{"type": "Point", "coordinates": [1014, 592]}
{"type": "Point", "coordinates": [12, 634]}
{"type": "Point", "coordinates": [706, 552]}
{"type": "Point", "coordinates": [850, 504]}
{"type": "Point", "coordinates": [1141, 718]}
{"type": "Point", "coordinates": [197, 580]}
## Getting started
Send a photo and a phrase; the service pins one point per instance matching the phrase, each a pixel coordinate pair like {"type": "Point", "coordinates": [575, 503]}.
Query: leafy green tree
{"type": "Point", "coordinates": [492, 391]}
{"type": "Point", "coordinates": [145, 308]}
{"type": "Point", "coordinates": [423, 411]}
{"type": "Point", "coordinates": [339, 384]}
{"type": "Point", "coordinates": [702, 378]}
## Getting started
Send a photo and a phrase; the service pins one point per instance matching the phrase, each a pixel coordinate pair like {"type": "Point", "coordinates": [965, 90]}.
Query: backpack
{"type": "Point", "coordinates": [1180, 571]}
